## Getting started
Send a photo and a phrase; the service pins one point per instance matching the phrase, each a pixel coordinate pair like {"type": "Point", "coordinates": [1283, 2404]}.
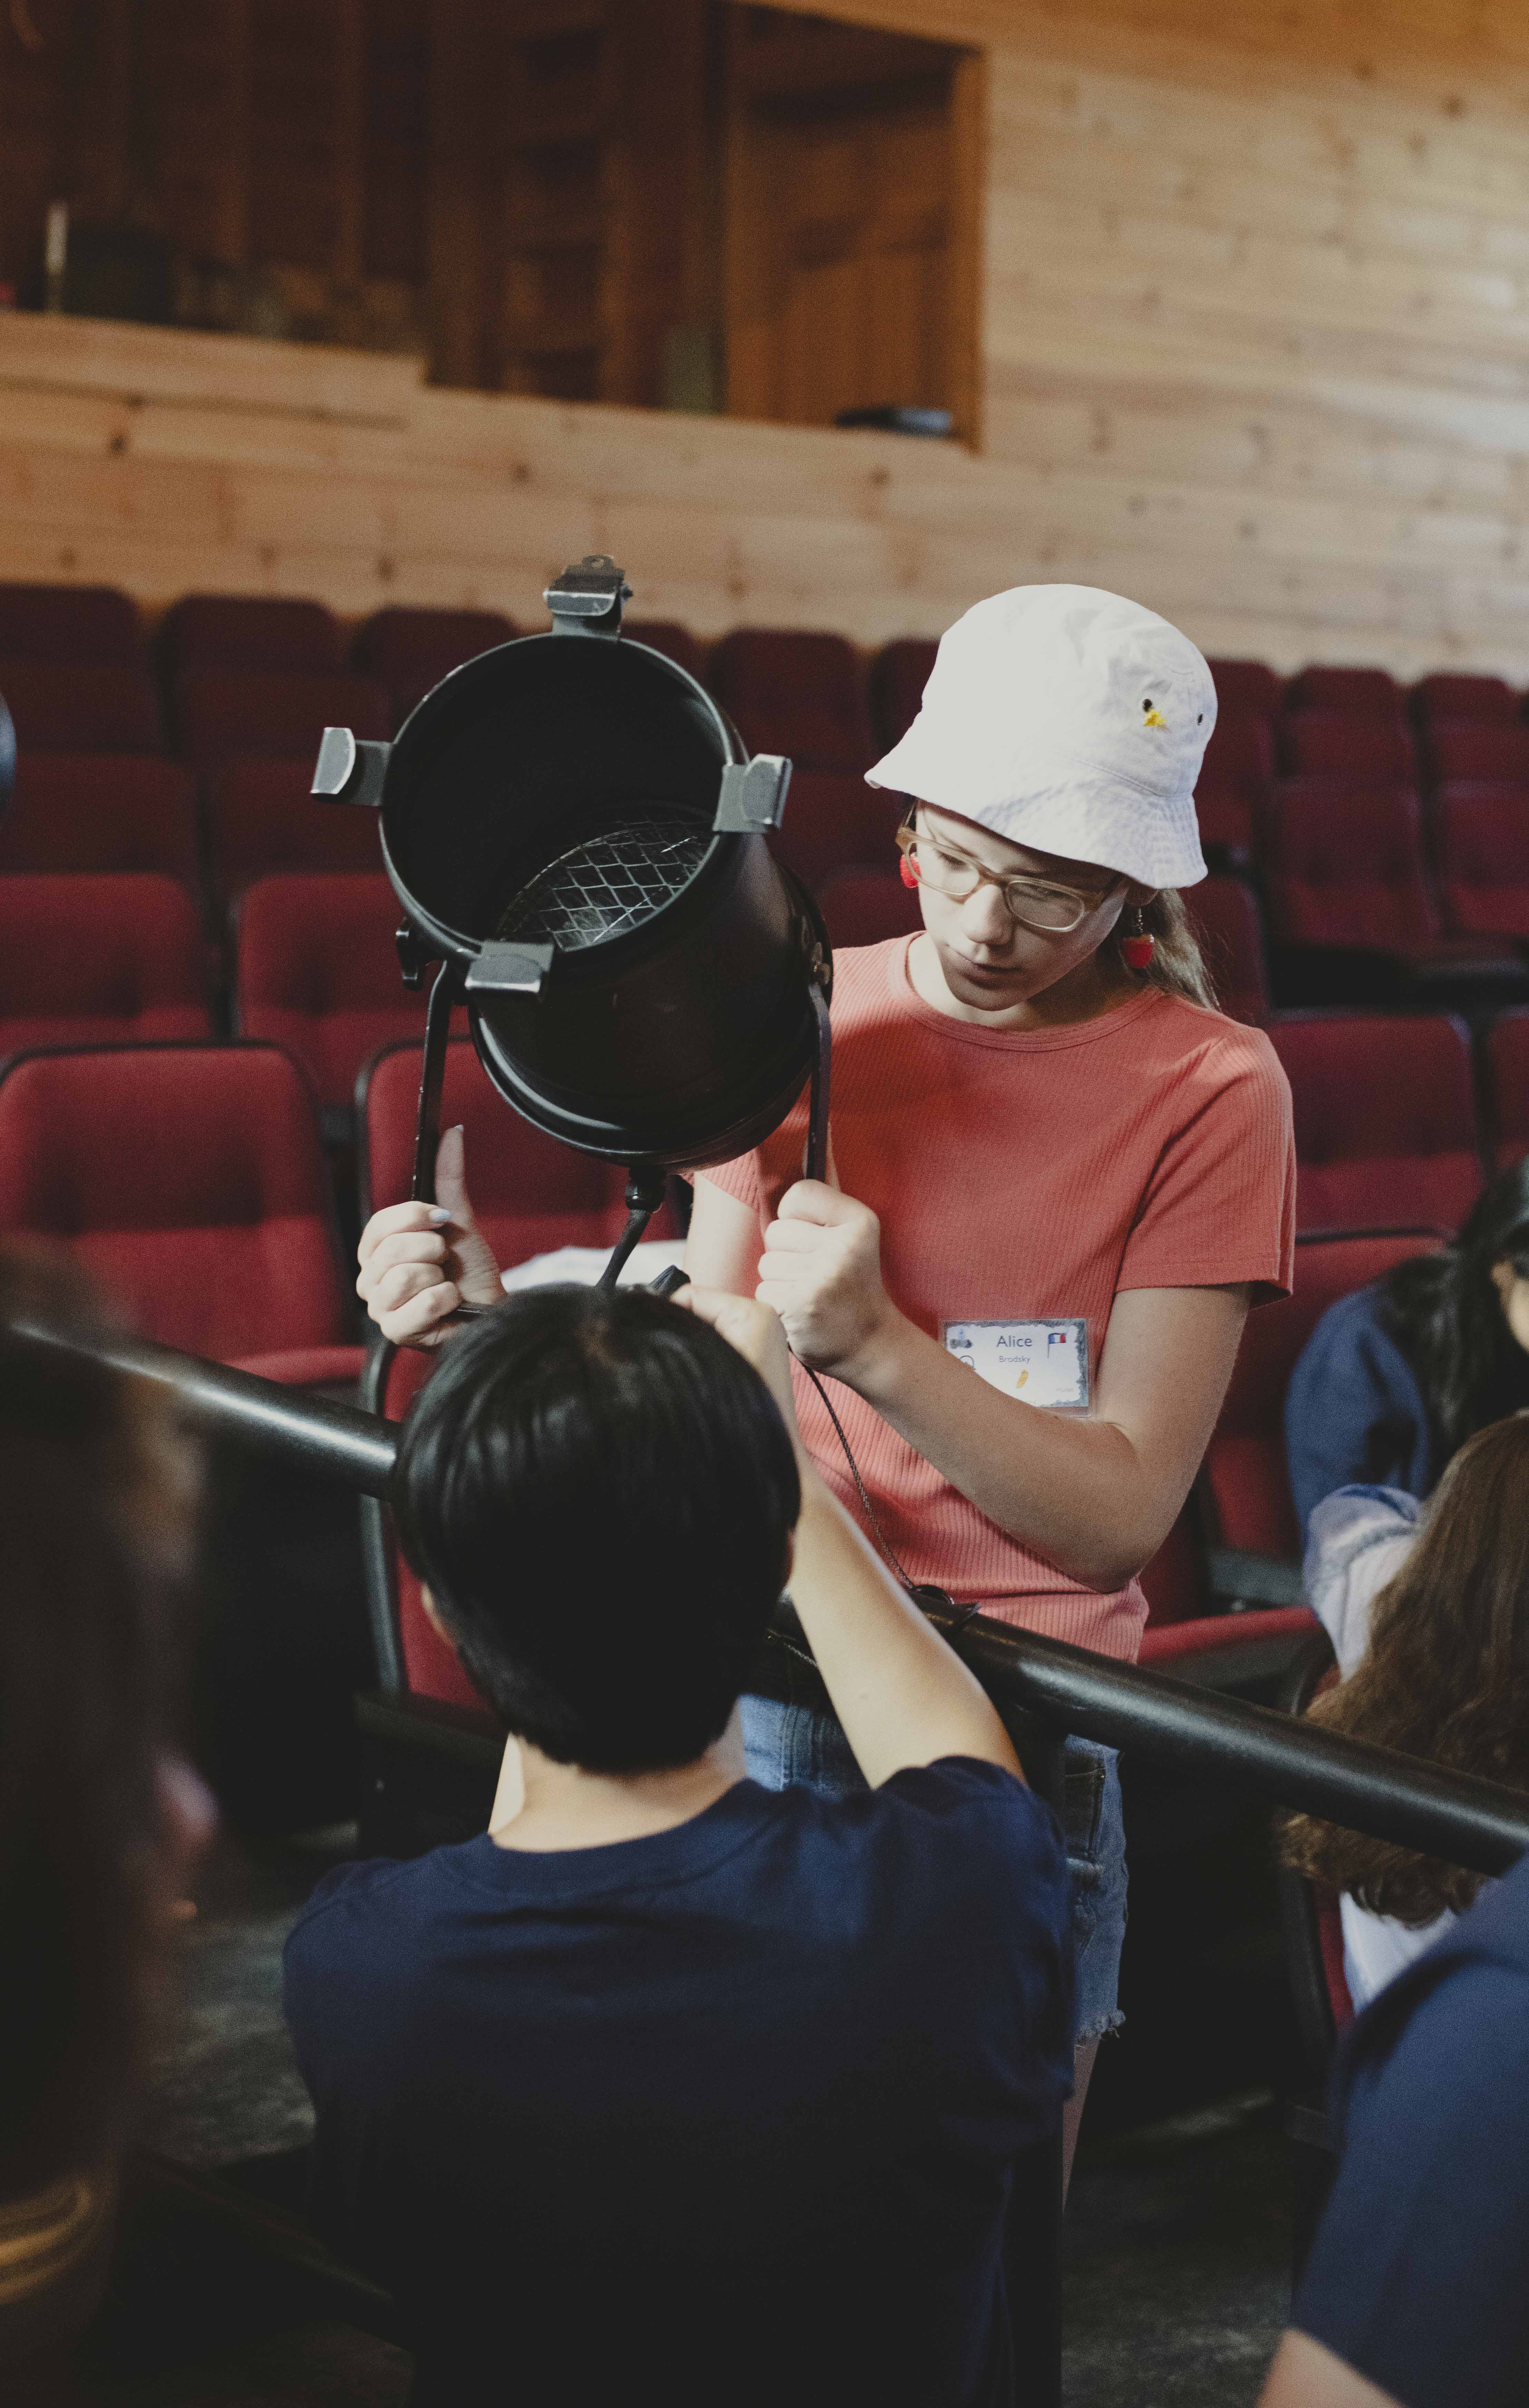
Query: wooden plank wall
{"type": "Point", "coordinates": [1256, 350]}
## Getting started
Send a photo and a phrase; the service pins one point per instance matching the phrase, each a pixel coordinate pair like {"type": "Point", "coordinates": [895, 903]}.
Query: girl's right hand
{"type": "Point", "coordinates": [420, 1261]}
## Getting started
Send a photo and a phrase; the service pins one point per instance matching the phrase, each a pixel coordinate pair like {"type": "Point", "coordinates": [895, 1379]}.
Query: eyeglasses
{"type": "Point", "coordinates": [1056, 910]}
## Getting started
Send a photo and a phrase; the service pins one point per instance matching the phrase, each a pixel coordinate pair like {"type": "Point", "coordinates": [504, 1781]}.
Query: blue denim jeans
{"type": "Point", "coordinates": [784, 1745]}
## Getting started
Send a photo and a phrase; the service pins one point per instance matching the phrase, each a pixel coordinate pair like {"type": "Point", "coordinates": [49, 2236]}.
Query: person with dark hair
{"type": "Point", "coordinates": [1435, 1665]}
{"type": "Point", "coordinates": [1415, 2293]}
{"type": "Point", "coordinates": [1395, 1378]}
{"type": "Point", "coordinates": [670, 2081]}
{"type": "Point", "coordinates": [100, 1819]}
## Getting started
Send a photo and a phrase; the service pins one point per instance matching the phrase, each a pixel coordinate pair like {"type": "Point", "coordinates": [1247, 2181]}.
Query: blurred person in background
{"type": "Point", "coordinates": [1395, 1377]}
{"type": "Point", "coordinates": [1415, 2293]}
{"type": "Point", "coordinates": [1428, 1613]}
{"type": "Point", "coordinates": [101, 1822]}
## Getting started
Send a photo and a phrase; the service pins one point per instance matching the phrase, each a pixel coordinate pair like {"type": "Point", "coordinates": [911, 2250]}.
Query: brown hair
{"type": "Point", "coordinates": [95, 1498]}
{"type": "Point", "coordinates": [1446, 1675]}
{"type": "Point", "coordinates": [1178, 966]}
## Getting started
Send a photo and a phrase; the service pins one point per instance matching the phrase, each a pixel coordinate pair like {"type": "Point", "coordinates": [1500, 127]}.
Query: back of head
{"type": "Point", "coordinates": [1446, 1675]}
{"type": "Point", "coordinates": [1449, 1318]}
{"type": "Point", "coordinates": [599, 1493]}
{"type": "Point", "coordinates": [94, 1522]}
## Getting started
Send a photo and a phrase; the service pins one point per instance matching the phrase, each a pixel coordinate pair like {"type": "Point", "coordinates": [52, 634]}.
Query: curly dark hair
{"type": "Point", "coordinates": [1446, 1675]}
{"type": "Point", "coordinates": [1447, 1316]}
{"type": "Point", "coordinates": [96, 1511]}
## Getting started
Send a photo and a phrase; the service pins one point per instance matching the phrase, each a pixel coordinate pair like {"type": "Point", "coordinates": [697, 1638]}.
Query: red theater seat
{"type": "Point", "coordinates": [797, 694]}
{"type": "Point", "coordinates": [1374, 692]}
{"type": "Point", "coordinates": [899, 674]}
{"type": "Point", "coordinates": [1481, 842]}
{"type": "Point", "coordinates": [318, 973]}
{"type": "Point", "coordinates": [261, 820]}
{"type": "Point", "coordinates": [1508, 1088]}
{"type": "Point", "coordinates": [1244, 1486]}
{"type": "Point", "coordinates": [531, 1194]}
{"type": "Point", "coordinates": [1385, 1119]}
{"type": "Point", "coordinates": [1223, 915]}
{"type": "Point", "coordinates": [863, 907]}
{"type": "Point", "coordinates": [1449, 696]}
{"type": "Point", "coordinates": [1367, 748]}
{"type": "Point", "coordinates": [1344, 865]}
{"type": "Point", "coordinates": [248, 631]}
{"type": "Point", "coordinates": [1459, 749]}
{"type": "Point", "coordinates": [189, 1180]}
{"type": "Point", "coordinates": [408, 652]}
{"type": "Point", "coordinates": [93, 811]}
{"type": "Point", "coordinates": [835, 821]}
{"type": "Point", "coordinates": [675, 642]}
{"type": "Point", "coordinates": [1235, 783]}
{"type": "Point", "coordinates": [70, 624]}
{"type": "Point", "coordinates": [99, 961]}
{"type": "Point", "coordinates": [1250, 688]}
{"type": "Point", "coordinates": [233, 714]}
{"type": "Point", "coordinates": [93, 707]}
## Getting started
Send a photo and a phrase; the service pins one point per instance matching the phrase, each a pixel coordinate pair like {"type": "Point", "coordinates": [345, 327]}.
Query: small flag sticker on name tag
{"type": "Point", "coordinates": [1042, 1362]}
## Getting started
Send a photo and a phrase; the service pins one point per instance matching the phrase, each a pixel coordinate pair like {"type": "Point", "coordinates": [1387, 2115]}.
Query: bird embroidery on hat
{"type": "Point", "coordinates": [1153, 717]}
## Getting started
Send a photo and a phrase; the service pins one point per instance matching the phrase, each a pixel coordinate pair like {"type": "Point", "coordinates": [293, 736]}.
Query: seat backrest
{"type": "Point", "coordinates": [795, 693]}
{"type": "Point", "coordinates": [1476, 748]}
{"type": "Point", "coordinates": [1239, 759]}
{"type": "Point", "coordinates": [1223, 915]}
{"type": "Point", "coordinates": [408, 652]}
{"type": "Point", "coordinates": [248, 631]}
{"type": "Point", "coordinates": [189, 1180]}
{"type": "Point", "coordinates": [230, 714]}
{"type": "Point", "coordinates": [99, 961]}
{"type": "Point", "coordinates": [1344, 865]}
{"type": "Point", "coordinates": [835, 821]}
{"type": "Point", "coordinates": [99, 811]}
{"type": "Point", "coordinates": [1508, 1088]}
{"type": "Point", "coordinates": [1385, 1118]}
{"type": "Point", "coordinates": [1361, 745]}
{"type": "Point", "coordinates": [1247, 686]}
{"type": "Point", "coordinates": [898, 676]}
{"type": "Point", "coordinates": [1481, 845]}
{"type": "Point", "coordinates": [1320, 688]}
{"type": "Point", "coordinates": [1244, 1483]}
{"type": "Point", "coordinates": [1449, 696]}
{"type": "Point", "coordinates": [96, 707]}
{"type": "Point", "coordinates": [530, 1193]}
{"type": "Point", "coordinates": [70, 624]}
{"type": "Point", "coordinates": [864, 907]}
{"type": "Point", "coordinates": [317, 972]}
{"type": "Point", "coordinates": [261, 820]}
{"type": "Point", "coordinates": [675, 643]}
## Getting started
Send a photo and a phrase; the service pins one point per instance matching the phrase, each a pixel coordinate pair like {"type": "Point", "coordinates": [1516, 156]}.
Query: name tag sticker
{"type": "Point", "coordinates": [1044, 1362]}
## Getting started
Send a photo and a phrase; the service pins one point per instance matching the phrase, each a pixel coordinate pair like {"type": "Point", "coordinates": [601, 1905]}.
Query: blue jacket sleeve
{"type": "Point", "coordinates": [1354, 1411]}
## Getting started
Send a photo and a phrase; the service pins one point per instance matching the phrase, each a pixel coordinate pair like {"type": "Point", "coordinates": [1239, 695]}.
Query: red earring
{"type": "Point", "coordinates": [908, 870]}
{"type": "Point", "coordinates": [1139, 946]}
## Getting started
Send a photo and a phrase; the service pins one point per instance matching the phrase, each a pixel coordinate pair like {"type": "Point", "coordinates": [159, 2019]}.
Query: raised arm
{"type": "Point", "coordinates": [902, 1695]}
{"type": "Point", "coordinates": [1094, 1495]}
{"type": "Point", "coordinates": [420, 1261]}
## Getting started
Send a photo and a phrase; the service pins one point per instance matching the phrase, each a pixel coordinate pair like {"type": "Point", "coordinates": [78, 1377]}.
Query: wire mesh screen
{"type": "Point", "coordinates": [610, 883]}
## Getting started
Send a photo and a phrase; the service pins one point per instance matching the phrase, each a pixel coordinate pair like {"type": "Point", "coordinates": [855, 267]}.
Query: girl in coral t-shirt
{"type": "Point", "coordinates": [1061, 1176]}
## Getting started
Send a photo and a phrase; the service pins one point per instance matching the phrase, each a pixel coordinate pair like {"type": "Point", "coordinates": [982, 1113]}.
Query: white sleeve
{"type": "Point", "coordinates": [1359, 1539]}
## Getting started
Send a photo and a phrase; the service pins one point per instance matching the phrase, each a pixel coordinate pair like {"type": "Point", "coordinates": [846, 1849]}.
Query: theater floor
{"type": "Point", "coordinates": [1177, 2236]}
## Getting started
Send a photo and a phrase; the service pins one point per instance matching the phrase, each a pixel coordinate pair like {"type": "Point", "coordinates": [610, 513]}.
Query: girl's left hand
{"type": "Point", "coordinates": [821, 1272]}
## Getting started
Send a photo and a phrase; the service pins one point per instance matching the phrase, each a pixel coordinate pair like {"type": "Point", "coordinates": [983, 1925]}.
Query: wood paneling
{"type": "Point", "coordinates": [1255, 349]}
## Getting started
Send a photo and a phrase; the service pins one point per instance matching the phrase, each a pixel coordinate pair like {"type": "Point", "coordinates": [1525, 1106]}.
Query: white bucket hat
{"type": "Point", "coordinates": [1069, 720]}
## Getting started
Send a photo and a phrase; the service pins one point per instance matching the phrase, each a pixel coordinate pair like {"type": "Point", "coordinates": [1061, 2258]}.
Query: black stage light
{"type": "Point", "coordinates": [575, 833]}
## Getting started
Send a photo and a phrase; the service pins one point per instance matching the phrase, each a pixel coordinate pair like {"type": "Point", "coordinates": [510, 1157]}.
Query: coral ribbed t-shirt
{"type": "Point", "coordinates": [1029, 1177]}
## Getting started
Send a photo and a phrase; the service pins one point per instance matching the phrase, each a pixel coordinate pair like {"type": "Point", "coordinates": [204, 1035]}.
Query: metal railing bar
{"type": "Point", "coordinates": [1288, 1762]}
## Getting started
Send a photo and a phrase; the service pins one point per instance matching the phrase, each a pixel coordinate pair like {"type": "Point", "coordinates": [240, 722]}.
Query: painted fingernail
{"type": "Point", "coordinates": [439, 1216]}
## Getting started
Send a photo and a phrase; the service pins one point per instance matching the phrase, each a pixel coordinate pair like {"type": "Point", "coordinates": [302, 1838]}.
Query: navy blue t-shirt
{"type": "Point", "coordinates": [1418, 2276]}
{"type": "Point", "coordinates": [729, 2110]}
